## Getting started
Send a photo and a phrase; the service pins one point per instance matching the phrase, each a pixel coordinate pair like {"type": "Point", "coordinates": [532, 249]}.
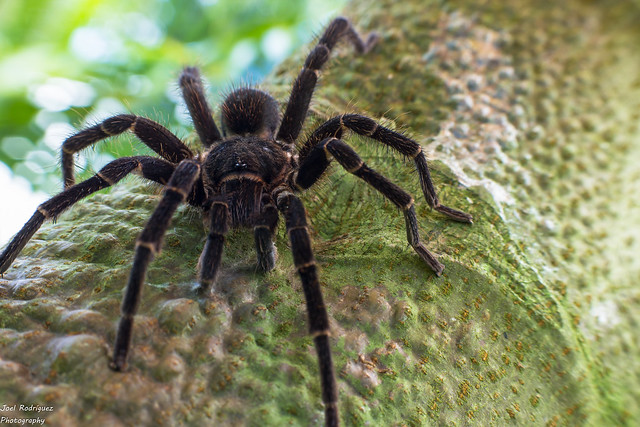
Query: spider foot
{"type": "Point", "coordinates": [203, 288]}
{"type": "Point", "coordinates": [455, 214]}
{"type": "Point", "coordinates": [119, 363]}
{"type": "Point", "coordinates": [331, 414]}
{"type": "Point", "coordinates": [372, 39]}
{"type": "Point", "coordinates": [428, 257]}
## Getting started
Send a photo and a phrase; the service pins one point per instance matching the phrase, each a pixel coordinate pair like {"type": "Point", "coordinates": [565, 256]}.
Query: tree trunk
{"type": "Point", "coordinates": [528, 112]}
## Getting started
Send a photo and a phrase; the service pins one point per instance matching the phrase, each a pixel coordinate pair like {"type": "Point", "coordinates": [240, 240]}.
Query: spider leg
{"type": "Point", "coordinates": [263, 230]}
{"type": "Point", "coordinates": [212, 253]}
{"type": "Point", "coordinates": [154, 169]}
{"type": "Point", "coordinates": [368, 127]}
{"type": "Point", "coordinates": [148, 245]}
{"type": "Point", "coordinates": [295, 218]}
{"type": "Point", "coordinates": [154, 135]}
{"type": "Point", "coordinates": [305, 83]}
{"type": "Point", "coordinates": [352, 163]}
{"type": "Point", "coordinates": [194, 97]}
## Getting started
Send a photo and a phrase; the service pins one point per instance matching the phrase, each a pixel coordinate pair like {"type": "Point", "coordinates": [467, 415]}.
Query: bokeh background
{"type": "Point", "coordinates": [67, 64]}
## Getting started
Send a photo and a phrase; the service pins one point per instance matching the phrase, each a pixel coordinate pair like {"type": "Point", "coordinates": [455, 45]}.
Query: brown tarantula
{"type": "Point", "coordinates": [247, 175]}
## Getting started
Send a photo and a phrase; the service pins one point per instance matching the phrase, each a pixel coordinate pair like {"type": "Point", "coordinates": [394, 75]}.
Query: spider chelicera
{"type": "Point", "coordinates": [247, 175]}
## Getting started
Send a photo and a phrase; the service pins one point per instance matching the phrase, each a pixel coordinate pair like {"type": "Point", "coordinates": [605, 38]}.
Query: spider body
{"type": "Point", "coordinates": [244, 168]}
{"type": "Point", "coordinates": [248, 175]}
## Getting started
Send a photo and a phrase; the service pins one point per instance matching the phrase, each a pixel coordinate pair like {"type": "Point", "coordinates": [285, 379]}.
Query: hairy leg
{"type": "Point", "coordinates": [212, 253]}
{"type": "Point", "coordinates": [154, 135]}
{"type": "Point", "coordinates": [295, 218]}
{"type": "Point", "coordinates": [148, 245]}
{"type": "Point", "coordinates": [194, 97]}
{"type": "Point", "coordinates": [368, 127]}
{"type": "Point", "coordinates": [305, 83]}
{"type": "Point", "coordinates": [149, 167]}
{"type": "Point", "coordinates": [352, 163]}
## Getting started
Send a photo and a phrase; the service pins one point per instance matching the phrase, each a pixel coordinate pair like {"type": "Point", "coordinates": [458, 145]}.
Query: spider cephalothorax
{"type": "Point", "coordinates": [247, 176]}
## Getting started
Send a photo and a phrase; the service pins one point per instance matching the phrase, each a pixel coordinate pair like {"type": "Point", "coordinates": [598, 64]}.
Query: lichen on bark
{"type": "Point", "coordinates": [528, 112]}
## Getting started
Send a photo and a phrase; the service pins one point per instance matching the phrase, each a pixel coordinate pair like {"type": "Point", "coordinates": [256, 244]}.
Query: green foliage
{"type": "Point", "coordinates": [68, 63]}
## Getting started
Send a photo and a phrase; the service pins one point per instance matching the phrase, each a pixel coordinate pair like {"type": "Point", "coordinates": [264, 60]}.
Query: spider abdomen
{"type": "Point", "coordinates": [249, 111]}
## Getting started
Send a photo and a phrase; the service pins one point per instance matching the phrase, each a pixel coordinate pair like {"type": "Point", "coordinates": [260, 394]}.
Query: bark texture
{"type": "Point", "coordinates": [529, 112]}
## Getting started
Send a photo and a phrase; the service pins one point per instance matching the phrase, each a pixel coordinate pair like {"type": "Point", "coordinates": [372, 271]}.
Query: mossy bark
{"type": "Point", "coordinates": [528, 111]}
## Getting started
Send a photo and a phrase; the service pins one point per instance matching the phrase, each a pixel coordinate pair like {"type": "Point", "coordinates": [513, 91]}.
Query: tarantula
{"type": "Point", "coordinates": [246, 176]}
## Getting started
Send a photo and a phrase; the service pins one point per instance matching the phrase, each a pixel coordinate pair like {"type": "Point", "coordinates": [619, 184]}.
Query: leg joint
{"type": "Point", "coordinates": [417, 152]}
{"type": "Point", "coordinates": [409, 205]}
{"type": "Point", "coordinates": [280, 194]}
{"type": "Point", "coordinates": [305, 265]}
{"type": "Point", "coordinates": [372, 131]}
{"type": "Point", "coordinates": [178, 190]}
{"type": "Point", "coordinates": [356, 168]}
{"type": "Point", "coordinates": [148, 245]}
{"type": "Point", "coordinates": [323, 332]}
{"type": "Point", "coordinates": [105, 130]}
{"type": "Point", "coordinates": [297, 227]}
{"type": "Point", "coordinates": [43, 212]}
{"type": "Point", "coordinates": [221, 203]}
{"type": "Point", "coordinates": [105, 179]}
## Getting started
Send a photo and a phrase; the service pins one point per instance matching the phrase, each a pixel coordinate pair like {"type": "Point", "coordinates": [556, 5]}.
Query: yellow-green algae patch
{"type": "Point", "coordinates": [529, 112]}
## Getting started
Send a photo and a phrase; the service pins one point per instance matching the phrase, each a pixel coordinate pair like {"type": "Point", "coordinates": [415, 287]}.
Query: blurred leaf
{"type": "Point", "coordinates": [130, 55]}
